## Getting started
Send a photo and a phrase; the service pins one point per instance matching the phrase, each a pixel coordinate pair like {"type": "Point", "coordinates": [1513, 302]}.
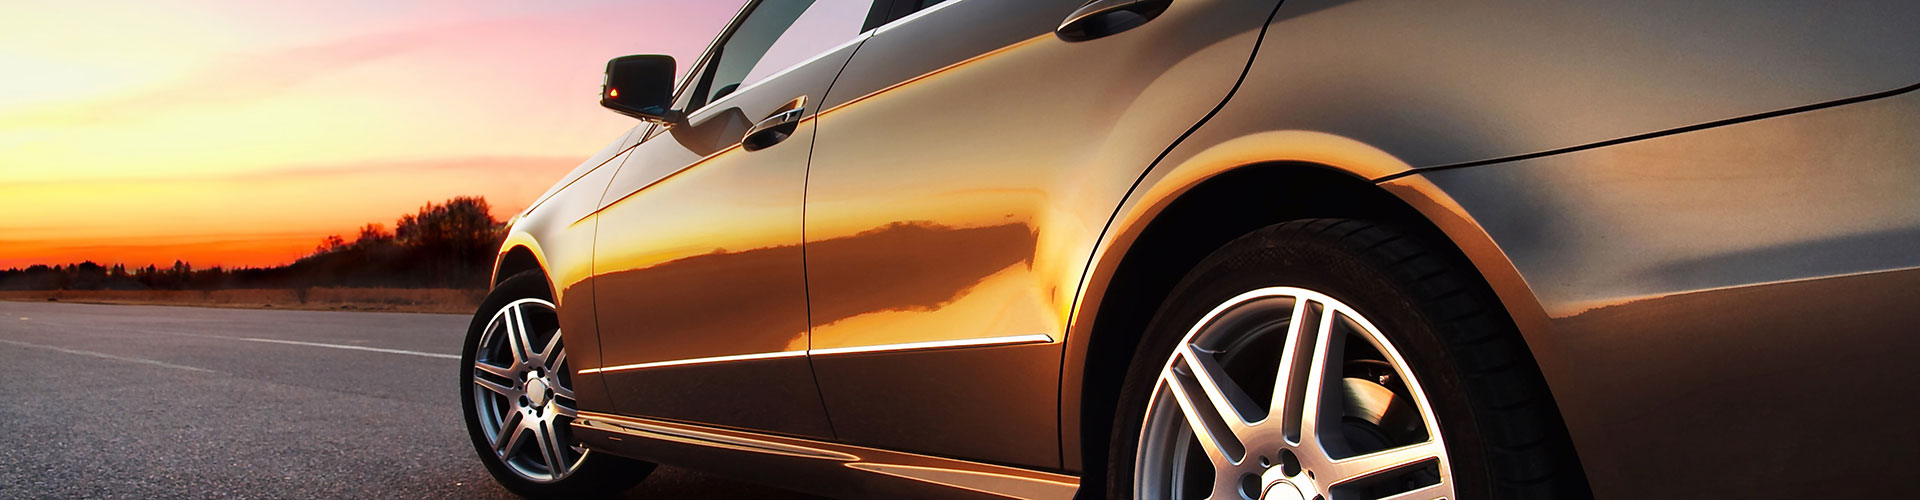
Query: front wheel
{"type": "Point", "coordinates": [517, 394]}
{"type": "Point", "coordinates": [1335, 359]}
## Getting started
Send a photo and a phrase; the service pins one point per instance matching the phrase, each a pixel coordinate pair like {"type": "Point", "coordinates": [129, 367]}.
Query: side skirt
{"type": "Point", "coordinates": [829, 469]}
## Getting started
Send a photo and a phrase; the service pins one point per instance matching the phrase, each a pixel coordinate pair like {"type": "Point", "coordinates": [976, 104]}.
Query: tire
{"type": "Point", "coordinates": [543, 405]}
{"type": "Point", "coordinates": [1467, 414]}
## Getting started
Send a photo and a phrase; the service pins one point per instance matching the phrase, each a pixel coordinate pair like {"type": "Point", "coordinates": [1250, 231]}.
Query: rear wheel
{"type": "Point", "coordinates": [517, 394]}
{"type": "Point", "coordinates": [1335, 359]}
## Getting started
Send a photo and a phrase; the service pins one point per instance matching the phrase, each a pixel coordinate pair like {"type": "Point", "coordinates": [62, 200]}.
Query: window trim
{"type": "Point", "coordinates": [912, 15]}
{"type": "Point", "coordinates": [783, 71]}
{"type": "Point", "coordinates": [882, 13]}
{"type": "Point", "coordinates": [888, 14]}
{"type": "Point", "coordinates": [703, 78]}
{"type": "Point", "coordinates": [697, 71]}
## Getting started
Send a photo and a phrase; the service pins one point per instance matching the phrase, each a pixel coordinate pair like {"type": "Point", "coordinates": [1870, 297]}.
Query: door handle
{"type": "Point", "coordinates": [1100, 18]}
{"type": "Point", "coordinates": [777, 127]}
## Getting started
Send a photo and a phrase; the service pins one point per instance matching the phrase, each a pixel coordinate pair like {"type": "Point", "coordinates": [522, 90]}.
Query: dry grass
{"type": "Point", "coordinates": [428, 300]}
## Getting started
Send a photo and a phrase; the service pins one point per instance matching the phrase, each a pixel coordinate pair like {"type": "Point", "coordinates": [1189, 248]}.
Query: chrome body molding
{"type": "Point", "coordinates": [694, 361]}
{"type": "Point", "coordinates": [938, 344]}
{"type": "Point", "coordinates": [690, 435]}
{"type": "Point", "coordinates": [909, 346]}
{"type": "Point", "coordinates": [799, 463]}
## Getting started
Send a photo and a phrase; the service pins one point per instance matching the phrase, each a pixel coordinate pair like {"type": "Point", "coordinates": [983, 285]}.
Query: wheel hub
{"type": "Point", "coordinates": [537, 392]}
{"type": "Point", "coordinates": [1280, 485]}
{"type": "Point", "coordinates": [1281, 490]}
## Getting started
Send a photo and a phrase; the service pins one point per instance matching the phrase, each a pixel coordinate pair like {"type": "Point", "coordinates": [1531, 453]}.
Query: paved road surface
{"type": "Point", "coordinates": [100, 401]}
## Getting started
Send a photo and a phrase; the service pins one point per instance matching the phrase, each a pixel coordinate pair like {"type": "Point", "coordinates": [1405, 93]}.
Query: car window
{"type": "Point", "coordinates": [776, 35]}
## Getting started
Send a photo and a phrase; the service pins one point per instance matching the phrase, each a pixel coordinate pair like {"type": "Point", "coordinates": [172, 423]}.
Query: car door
{"type": "Point", "coordinates": [968, 159]}
{"type": "Point", "coordinates": [698, 277]}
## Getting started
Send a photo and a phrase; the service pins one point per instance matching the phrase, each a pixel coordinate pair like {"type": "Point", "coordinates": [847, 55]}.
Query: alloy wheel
{"type": "Point", "coordinates": [523, 392]}
{"type": "Point", "coordinates": [1288, 394]}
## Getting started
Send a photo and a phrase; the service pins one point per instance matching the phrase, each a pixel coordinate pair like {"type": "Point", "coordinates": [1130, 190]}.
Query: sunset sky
{"type": "Point", "coordinates": [241, 132]}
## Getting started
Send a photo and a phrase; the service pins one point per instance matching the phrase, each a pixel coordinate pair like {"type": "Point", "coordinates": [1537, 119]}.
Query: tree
{"type": "Point", "coordinates": [373, 234]}
{"type": "Point", "coordinates": [453, 240]}
{"type": "Point", "coordinates": [330, 244]}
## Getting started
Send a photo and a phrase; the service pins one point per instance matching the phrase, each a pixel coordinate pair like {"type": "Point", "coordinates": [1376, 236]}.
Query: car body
{"type": "Point", "coordinates": [1703, 218]}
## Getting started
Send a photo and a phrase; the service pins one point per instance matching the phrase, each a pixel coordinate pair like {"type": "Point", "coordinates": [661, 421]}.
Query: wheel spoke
{"type": "Point", "coordinates": [540, 440]}
{"type": "Point", "coordinates": [1430, 492]}
{"type": "Point", "coordinates": [1215, 436]}
{"type": "Point", "coordinates": [498, 371]}
{"type": "Point", "coordinates": [565, 409]}
{"type": "Point", "coordinates": [498, 388]}
{"type": "Point", "coordinates": [554, 359]}
{"type": "Point", "coordinates": [550, 446]}
{"type": "Point", "coordinates": [1321, 372]}
{"type": "Point", "coordinates": [1290, 378]}
{"type": "Point", "coordinates": [1231, 402]}
{"type": "Point", "coordinates": [559, 446]}
{"type": "Point", "coordinates": [509, 436]}
{"type": "Point", "coordinates": [509, 326]}
{"type": "Point", "coordinates": [519, 336]}
{"type": "Point", "coordinates": [553, 345]}
{"type": "Point", "coordinates": [1384, 461]}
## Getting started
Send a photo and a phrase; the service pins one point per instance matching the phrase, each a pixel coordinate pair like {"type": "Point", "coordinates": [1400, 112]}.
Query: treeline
{"type": "Point", "coordinates": [444, 245]}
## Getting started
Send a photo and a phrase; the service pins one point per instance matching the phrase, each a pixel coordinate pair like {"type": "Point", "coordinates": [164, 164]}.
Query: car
{"type": "Point", "coordinates": [1161, 249]}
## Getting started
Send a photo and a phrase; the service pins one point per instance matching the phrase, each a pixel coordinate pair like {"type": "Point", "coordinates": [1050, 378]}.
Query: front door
{"type": "Point", "coordinates": [960, 179]}
{"type": "Point", "coordinates": [698, 278]}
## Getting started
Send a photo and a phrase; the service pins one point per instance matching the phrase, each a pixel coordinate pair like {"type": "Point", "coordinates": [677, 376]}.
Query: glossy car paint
{"type": "Point", "coordinates": [707, 264]}
{"type": "Point", "coordinates": [1734, 299]}
{"type": "Point", "coordinates": [937, 211]}
{"type": "Point", "coordinates": [1335, 87]}
{"type": "Point", "coordinates": [994, 178]}
{"type": "Point", "coordinates": [546, 234]}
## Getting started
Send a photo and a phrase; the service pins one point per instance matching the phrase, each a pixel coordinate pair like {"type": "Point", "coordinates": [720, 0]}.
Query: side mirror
{"type": "Point", "coordinates": [641, 87]}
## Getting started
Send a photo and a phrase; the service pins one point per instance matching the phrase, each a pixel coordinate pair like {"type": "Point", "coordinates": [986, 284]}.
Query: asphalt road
{"type": "Point", "coordinates": [105, 401]}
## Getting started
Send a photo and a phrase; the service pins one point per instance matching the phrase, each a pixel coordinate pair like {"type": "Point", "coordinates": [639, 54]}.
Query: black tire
{"type": "Point", "coordinates": [600, 475]}
{"type": "Point", "coordinates": [1503, 431]}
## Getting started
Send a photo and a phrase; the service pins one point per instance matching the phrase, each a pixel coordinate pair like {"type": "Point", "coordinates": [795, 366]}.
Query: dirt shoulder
{"type": "Point", "coordinates": [425, 300]}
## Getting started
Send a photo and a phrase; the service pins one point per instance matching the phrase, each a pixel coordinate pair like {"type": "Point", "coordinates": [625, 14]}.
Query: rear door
{"type": "Point", "coordinates": [967, 160]}
{"type": "Point", "coordinates": [698, 280]}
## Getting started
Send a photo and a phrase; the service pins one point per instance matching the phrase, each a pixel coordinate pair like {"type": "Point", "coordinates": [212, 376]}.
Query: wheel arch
{"type": "Point", "coordinates": [1175, 218]}
{"type": "Point", "coordinates": [519, 253]}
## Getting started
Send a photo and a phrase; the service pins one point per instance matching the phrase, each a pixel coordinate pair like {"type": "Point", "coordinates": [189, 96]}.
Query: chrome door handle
{"type": "Point", "coordinates": [772, 130]}
{"type": "Point", "coordinates": [1100, 18]}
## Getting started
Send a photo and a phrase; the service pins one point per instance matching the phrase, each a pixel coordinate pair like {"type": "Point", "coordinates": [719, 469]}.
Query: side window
{"type": "Point", "coordinates": [775, 35]}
